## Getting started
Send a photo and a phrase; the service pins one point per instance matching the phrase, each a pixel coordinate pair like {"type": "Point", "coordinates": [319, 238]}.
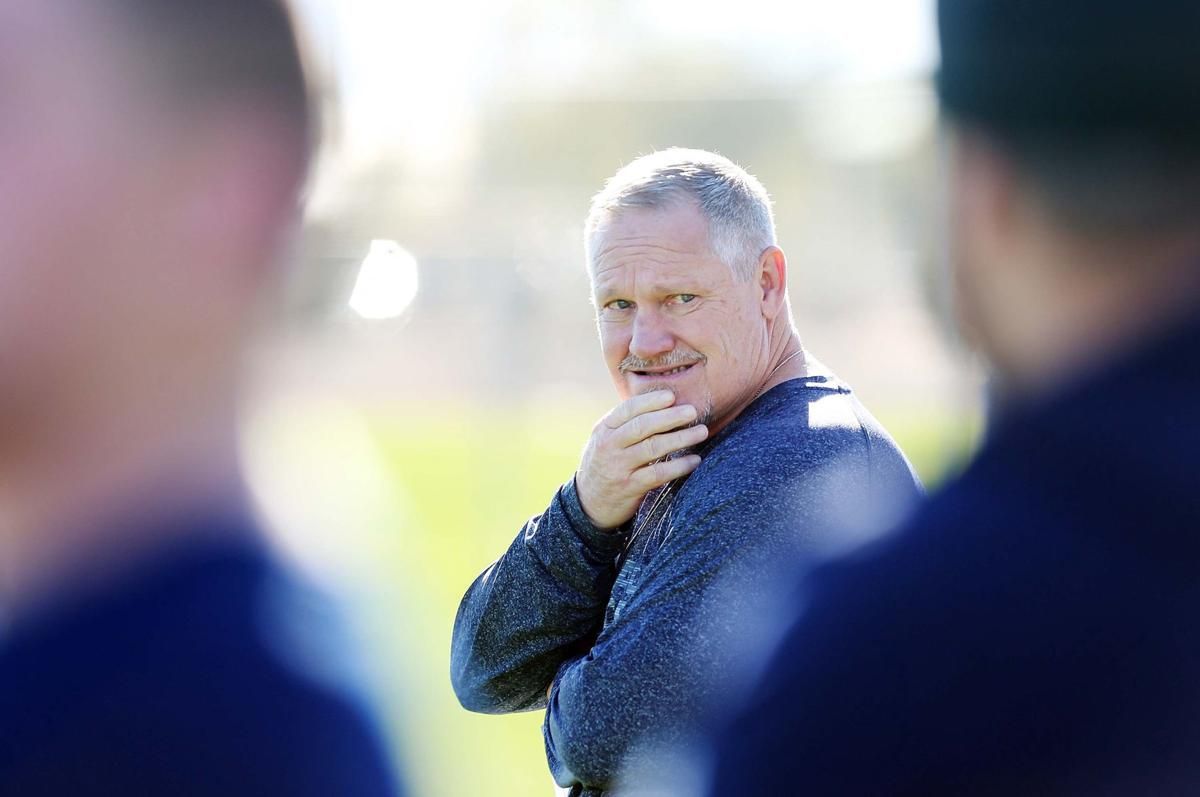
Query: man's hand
{"type": "Point", "coordinates": [624, 459]}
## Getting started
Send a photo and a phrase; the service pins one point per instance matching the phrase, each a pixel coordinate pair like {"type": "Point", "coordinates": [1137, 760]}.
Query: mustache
{"type": "Point", "coordinates": [669, 360]}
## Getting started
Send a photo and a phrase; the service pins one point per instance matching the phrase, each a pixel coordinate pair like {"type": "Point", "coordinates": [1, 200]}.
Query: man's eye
{"type": "Point", "coordinates": [685, 298]}
{"type": "Point", "coordinates": [619, 304]}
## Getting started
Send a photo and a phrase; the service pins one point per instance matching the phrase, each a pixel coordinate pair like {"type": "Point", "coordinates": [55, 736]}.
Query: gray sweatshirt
{"type": "Point", "coordinates": [637, 633]}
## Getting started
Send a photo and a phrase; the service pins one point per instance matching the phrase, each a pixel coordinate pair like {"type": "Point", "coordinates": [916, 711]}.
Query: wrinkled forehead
{"type": "Point", "coordinates": [73, 90]}
{"type": "Point", "coordinates": [655, 250]}
{"type": "Point", "coordinates": [54, 30]}
{"type": "Point", "coordinates": [59, 49]}
{"type": "Point", "coordinates": [678, 226]}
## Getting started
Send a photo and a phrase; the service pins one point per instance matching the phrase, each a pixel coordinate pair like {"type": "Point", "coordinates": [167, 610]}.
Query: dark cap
{"type": "Point", "coordinates": [1068, 66]}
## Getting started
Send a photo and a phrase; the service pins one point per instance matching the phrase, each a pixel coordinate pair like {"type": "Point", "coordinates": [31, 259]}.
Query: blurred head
{"type": "Point", "coordinates": [1075, 171]}
{"type": "Point", "coordinates": [152, 156]}
{"type": "Point", "coordinates": [688, 284]}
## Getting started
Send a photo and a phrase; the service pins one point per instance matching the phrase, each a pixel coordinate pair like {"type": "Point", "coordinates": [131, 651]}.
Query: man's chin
{"type": "Point", "coordinates": [703, 406]}
{"type": "Point", "coordinates": [643, 389]}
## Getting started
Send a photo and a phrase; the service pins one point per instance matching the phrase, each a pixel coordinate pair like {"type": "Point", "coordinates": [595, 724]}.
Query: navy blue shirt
{"type": "Point", "coordinates": [636, 632]}
{"type": "Point", "coordinates": [208, 671]}
{"type": "Point", "coordinates": [1032, 630]}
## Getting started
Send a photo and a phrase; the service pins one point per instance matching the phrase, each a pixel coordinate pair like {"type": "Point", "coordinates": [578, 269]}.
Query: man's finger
{"type": "Point", "coordinates": [642, 426]}
{"type": "Point", "coordinates": [632, 407]}
{"type": "Point", "coordinates": [660, 445]}
{"type": "Point", "coordinates": [656, 474]}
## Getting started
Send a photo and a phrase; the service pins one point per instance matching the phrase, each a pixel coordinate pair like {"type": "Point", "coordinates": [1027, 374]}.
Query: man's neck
{"type": "Point", "coordinates": [100, 500]}
{"type": "Point", "coordinates": [1101, 311]}
{"type": "Point", "coordinates": [786, 360]}
{"type": "Point", "coordinates": [789, 361]}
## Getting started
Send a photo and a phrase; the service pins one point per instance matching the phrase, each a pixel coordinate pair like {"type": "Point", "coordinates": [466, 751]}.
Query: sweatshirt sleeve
{"type": "Point", "coordinates": [539, 604]}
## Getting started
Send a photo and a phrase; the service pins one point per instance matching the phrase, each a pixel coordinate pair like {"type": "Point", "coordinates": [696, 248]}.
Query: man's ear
{"type": "Point", "coordinates": [994, 236]}
{"type": "Point", "coordinates": [984, 197]}
{"type": "Point", "coordinates": [245, 179]}
{"type": "Point", "coordinates": [772, 281]}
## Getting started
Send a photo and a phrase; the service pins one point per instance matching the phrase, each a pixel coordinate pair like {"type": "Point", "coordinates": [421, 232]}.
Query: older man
{"type": "Point", "coordinates": [732, 457]}
{"type": "Point", "coordinates": [1033, 629]}
{"type": "Point", "coordinates": [152, 158]}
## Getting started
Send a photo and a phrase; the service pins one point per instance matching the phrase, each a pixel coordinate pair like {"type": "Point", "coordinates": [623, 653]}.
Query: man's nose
{"type": "Point", "coordinates": [651, 335]}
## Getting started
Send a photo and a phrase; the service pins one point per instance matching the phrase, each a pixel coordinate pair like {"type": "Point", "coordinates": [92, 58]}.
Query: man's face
{"type": "Point", "coordinates": [992, 288]}
{"type": "Point", "coordinates": [671, 314]}
{"type": "Point", "coordinates": [83, 189]}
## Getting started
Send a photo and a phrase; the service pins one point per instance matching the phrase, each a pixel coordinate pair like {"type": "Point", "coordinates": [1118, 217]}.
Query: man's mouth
{"type": "Point", "coordinates": [661, 372]}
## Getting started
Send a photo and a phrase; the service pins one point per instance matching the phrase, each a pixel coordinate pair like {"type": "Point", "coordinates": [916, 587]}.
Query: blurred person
{"type": "Point", "coordinates": [732, 457]}
{"type": "Point", "coordinates": [152, 157]}
{"type": "Point", "coordinates": [1032, 630]}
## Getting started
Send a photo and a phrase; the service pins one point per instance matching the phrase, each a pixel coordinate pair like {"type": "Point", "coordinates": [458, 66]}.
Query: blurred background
{"type": "Point", "coordinates": [434, 371]}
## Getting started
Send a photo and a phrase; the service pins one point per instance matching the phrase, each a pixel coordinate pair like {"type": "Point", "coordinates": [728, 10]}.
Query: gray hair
{"type": "Point", "coordinates": [738, 209]}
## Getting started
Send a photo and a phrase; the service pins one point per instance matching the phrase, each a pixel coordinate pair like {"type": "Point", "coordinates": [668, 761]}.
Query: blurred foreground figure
{"type": "Point", "coordinates": [151, 160]}
{"type": "Point", "coordinates": [733, 460]}
{"type": "Point", "coordinates": [1033, 629]}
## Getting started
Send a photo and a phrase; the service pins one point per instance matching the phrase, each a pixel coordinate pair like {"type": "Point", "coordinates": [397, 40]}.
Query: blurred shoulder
{"type": "Point", "coordinates": [216, 667]}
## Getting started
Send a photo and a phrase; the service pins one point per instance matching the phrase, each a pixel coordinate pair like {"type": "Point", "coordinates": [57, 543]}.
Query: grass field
{"type": "Point", "coordinates": [460, 485]}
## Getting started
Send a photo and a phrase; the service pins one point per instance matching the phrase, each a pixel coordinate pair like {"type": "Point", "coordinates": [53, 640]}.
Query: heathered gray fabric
{"type": "Point", "coordinates": [638, 630]}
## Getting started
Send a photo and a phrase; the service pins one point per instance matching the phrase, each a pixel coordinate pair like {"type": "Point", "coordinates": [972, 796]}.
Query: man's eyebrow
{"type": "Point", "coordinates": [676, 284]}
{"type": "Point", "coordinates": [604, 284]}
{"type": "Point", "coordinates": [660, 287]}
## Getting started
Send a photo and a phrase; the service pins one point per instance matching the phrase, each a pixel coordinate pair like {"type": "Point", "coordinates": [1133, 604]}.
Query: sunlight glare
{"type": "Point", "coordinates": [387, 282]}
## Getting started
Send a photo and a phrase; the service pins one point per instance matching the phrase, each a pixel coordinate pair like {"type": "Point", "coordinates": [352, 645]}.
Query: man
{"type": "Point", "coordinates": [733, 457]}
{"type": "Point", "coordinates": [153, 155]}
{"type": "Point", "coordinates": [1032, 629]}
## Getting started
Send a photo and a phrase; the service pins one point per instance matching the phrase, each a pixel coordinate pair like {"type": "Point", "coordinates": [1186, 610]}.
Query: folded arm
{"type": "Point", "coordinates": [539, 604]}
{"type": "Point", "coordinates": [653, 673]}
{"type": "Point", "coordinates": [543, 601]}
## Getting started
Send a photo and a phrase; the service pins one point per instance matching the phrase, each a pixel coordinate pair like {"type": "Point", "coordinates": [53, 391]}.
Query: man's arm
{"type": "Point", "coordinates": [543, 601]}
{"type": "Point", "coordinates": [708, 600]}
{"type": "Point", "coordinates": [533, 608]}
{"type": "Point", "coordinates": [653, 673]}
